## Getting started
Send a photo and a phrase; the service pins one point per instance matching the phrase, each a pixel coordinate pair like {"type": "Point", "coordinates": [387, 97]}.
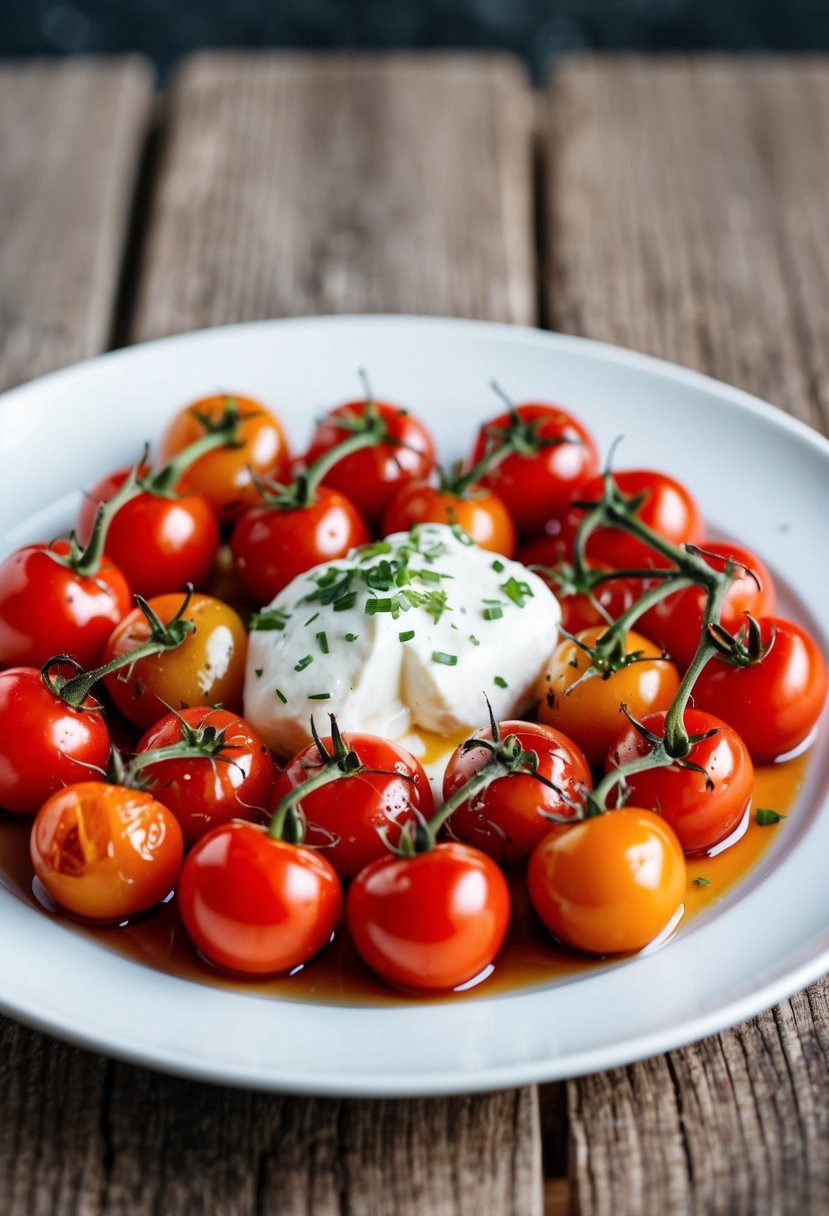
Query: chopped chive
{"type": "Point", "coordinates": [322, 639]}
{"type": "Point", "coordinates": [493, 614]}
{"type": "Point", "coordinates": [378, 605]}
{"type": "Point", "coordinates": [702, 882]}
{"type": "Point", "coordinates": [406, 635]}
{"type": "Point", "coordinates": [311, 619]}
{"type": "Point", "coordinates": [345, 601]}
{"type": "Point", "coordinates": [447, 660]}
{"type": "Point", "coordinates": [319, 696]}
{"type": "Point", "coordinates": [460, 534]}
{"type": "Point", "coordinates": [765, 818]}
{"type": "Point", "coordinates": [517, 591]}
{"type": "Point", "coordinates": [281, 696]}
{"type": "Point", "coordinates": [351, 637]}
{"type": "Point", "coordinates": [501, 682]}
{"type": "Point", "coordinates": [271, 618]}
{"type": "Point", "coordinates": [258, 671]}
{"type": "Point", "coordinates": [475, 641]}
{"type": "Point", "coordinates": [304, 662]}
{"type": "Point", "coordinates": [498, 566]}
{"type": "Point", "coordinates": [430, 576]}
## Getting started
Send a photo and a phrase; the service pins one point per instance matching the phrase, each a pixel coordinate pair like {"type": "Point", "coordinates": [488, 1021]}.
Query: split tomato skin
{"type": "Point", "coordinates": [44, 743]}
{"type": "Point", "coordinates": [506, 820]}
{"type": "Point", "coordinates": [204, 792]}
{"type": "Point", "coordinates": [255, 905]}
{"type": "Point", "coordinates": [371, 477]}
{"type": "Point", "coordinates": [536, 489]}
{"type": "Point", "coordinates": [105, 852]}
{"type": "Point", "coordinates": [774, 705]}
{"type": "Point", "coordinates": [701, 817]}
{"type": "Point", "coordinates": [160, 543]}
{"type": "Point", "coordinates": [224, 476]}
{"type": "Point", "coordinates": [480, 513]}
{"type": "Point", "coordinates": [432, 921]}
{"type": "Point", "coordinates": [345, 818]}
{"type": "Point", "coordinates": [271, 547]}
{"type": "Point", "coordinates": [46, 608]}
{"type": "Point", "coordinates": [207, 669]}
{"type": "Point", "coordinates": [610, 884]}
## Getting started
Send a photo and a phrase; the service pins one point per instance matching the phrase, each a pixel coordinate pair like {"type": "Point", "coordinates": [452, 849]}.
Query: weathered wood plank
{"type": "Point", "coordinates": [688, 215]}
{"type": "Point", "coordinates": [70, 139]}
{"type": "Point", "coordinates": [295, 185]}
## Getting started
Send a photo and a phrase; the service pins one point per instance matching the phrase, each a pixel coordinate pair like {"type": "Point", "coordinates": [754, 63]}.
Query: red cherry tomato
{"type": "Point", "coordinates": [432, 921]}
{"type": "Point", "coordinates": [506, 820]}
{"type": "Point", "coordinates": [106, 852]}
{"type": "Point", "coordinates": [47, 608]}
{"type": "Point", "coordinates": [668, 509]}
{"type": "Point", "coordinates": [480, 513]}
{"type": "Point", "coordinates": [257, 905]}
{"type": "Point", "coordinates": [349, 818]}
{"type": "Point", "coordinates": [700, 816]}
{"type": "Point", "coordinates": [773, 705]}
{"type": "Point", "coordinates": [538, 488]}
{"type": "Point", "coordinates": [676, 622]}
{"type": "Point", "coordinates": [44, 743]}
{"type": "Point", "coordinates": [208, 668]}
{"type": "Point", "coordinates": [610, 884]}
{"type": "Point", "coordinates": [371, 477]}
{"type": "Point", "coordinates": [235, 782]}
{"type": "Point", "coordinates": [272, 546]}
{"type": "Point", "coordinates": [223, 476]}
{"type": "Point", "coordinates": [160, 543]}
{"type": "Point", "coordinates": [579, 610]}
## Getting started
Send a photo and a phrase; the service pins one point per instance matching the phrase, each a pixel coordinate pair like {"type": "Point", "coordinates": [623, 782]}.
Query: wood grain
{"type": "Point", "coordinates": [295, 185]}
{"type": "Point", "coordinates": [688, 216]}
{"type": "Point", "coordinates": [70, 137]}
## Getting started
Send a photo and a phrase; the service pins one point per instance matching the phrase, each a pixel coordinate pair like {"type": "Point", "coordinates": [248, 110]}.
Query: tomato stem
{"type": "Point", "coordinates": [221, 434]}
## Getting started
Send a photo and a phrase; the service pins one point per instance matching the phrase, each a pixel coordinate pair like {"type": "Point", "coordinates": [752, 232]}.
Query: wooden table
{"type": "Point", "coordinates": [676, 206]}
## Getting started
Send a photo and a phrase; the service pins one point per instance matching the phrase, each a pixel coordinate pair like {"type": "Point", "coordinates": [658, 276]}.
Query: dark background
{"type": "Point", "coordinates": [538, 30]}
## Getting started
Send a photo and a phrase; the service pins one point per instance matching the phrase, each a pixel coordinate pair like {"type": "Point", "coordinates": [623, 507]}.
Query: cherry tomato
{"type": "Point", "coordinates": [538, 488]}
{"type": "Point", "coordinates": [257, 905]}
{"type": "Point", "coordinates": [700, 816]}
{"type": "Point", "coordinates": [272, 546]}
{"type": "Point", "coordinates": [590, 712]}
{"type": "Point", "coordinates": [104, 851]}
{"type": "Point", "coordinates": [223, 476]}
{"type": "Point", "coordinates": [480, 513]}
{"type": "Point", "coordinates": [669, 509]}
{"type": "Point", "coordinates": [610, 884]}
{"type": "Point", "coordinates": [161, 543]}
{"type": "Point", "coordinates": [506, 820]}
{"type": "Point", "coordinates": [432, 921]}
{"type": "Point", "coordinates": [208, 668]}
{"type": "Point", "coordinates": [579, 610]}
{"type": "Point", "coordinates": [205, 791]}
{"type": "Point", "coordinates": [46, 608]}
{"type": "Point", "coordinates": [44, 743]}
{"type": "Point", "coordinates": [347, 816]}
{"type": "Point", "coordinates": [774, 704]}
{"type": "Point", "coordinates": [676, 622]}
{"type": "Point", "coordinates": [371, 477]}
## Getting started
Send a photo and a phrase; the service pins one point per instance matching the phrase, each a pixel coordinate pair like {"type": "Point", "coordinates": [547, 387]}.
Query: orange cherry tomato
{"type": "Point", "coordinates": [104, 851]}
{"type": "Point", "coordinates": [590, 713]}
{"type": "Point", "coordinates": [610, 884]}
{"type": "Point", "coordinates": [208, 668]}
{"type": "Point", "coordinates": [223, 476]}
{"type": "Point", "coordinates": [480, 513]}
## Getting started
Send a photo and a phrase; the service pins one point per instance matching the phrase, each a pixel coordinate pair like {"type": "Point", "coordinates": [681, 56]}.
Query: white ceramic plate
{"type": "Point", "coordinates": [758, 473]}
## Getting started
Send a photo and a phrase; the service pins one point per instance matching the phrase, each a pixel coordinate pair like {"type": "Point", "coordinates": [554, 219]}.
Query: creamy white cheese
{"type": "Point", "coordinates": [409, 632]}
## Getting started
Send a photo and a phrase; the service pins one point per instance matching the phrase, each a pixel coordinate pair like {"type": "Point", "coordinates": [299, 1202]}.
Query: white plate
{"type": "Point", "coordinates": [758, 473]}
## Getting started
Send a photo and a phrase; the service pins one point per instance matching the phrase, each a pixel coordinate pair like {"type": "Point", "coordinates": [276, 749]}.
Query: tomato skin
{"type": "Point", "coordinates": [42, 741]}
{"type": "Point", "coordinates": [538, 488]}
{"type": "Point", "coordinates": [271, 547]}
{"type": "Point", "coordinates": [208, 668]}
{"type": "Point", "coordinates": [47, 609]}
{"type": "Point", "coordinates": [344, 818]}
{"type": "Point", "coordinates": [775, 704]}
{"type": "Point", "coordinates": [256, 905]}
{"type": "Point", "coordinates": [371, 477]}
{"type": "Point", "coordinates": [506, 820]}
{"type": "Point", "coordinates": [700, 817]}
{"type": "Point", "coordinates": [579, 611]}
{"type": "Point", "coordinates": [223, 476]}
{"type": "Point", "coordinates": [161, 544]}
{"type": "Point", "coordinates": [590, 714]}
{"type": "Point", "coordinates": [610, 884]}
{"type": "Point", "coordinates": [676, 622]}
{"type": "Point", "coordinates": [202, 792]}
{"type": "Point", "coordinates": [670, 509]}
{"type": "Point", "coordinates": [106, 852]}
{"type": "Point", "coordinates": [432, 921]}
{"type": "Point", "coordinates": [482, 514]}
